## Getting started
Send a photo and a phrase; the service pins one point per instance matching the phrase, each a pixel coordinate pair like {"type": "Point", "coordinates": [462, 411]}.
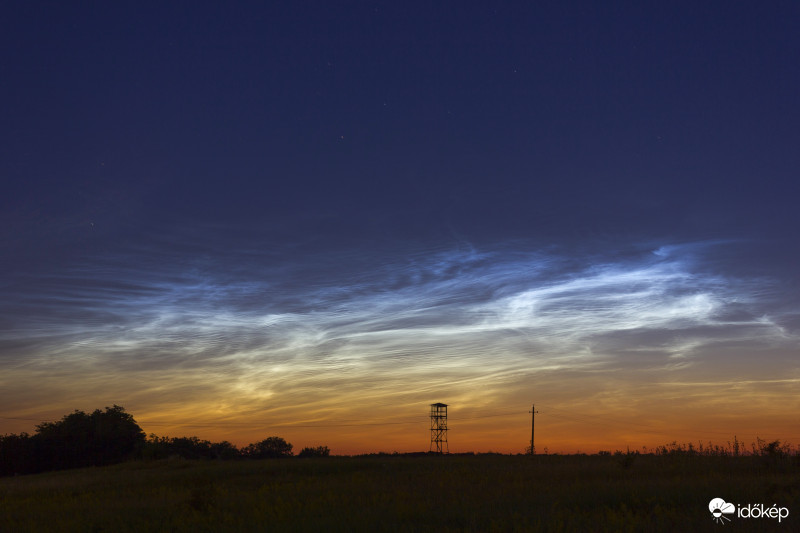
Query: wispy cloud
{"type": "Point", "coordinates": [471, 323]}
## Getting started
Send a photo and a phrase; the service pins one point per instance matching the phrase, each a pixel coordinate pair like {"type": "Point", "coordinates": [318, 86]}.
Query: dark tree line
{"type": "Point", "coordinates": [77, 440]}
{"type": "Point", "coordinates": [187, 448]}
{"type": "Point", "coordinates": [112, 436]}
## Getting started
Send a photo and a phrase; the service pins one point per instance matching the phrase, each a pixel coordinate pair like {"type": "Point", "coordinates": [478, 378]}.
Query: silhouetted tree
{"type": "Point", "coordinates": [271, 447]}
{"type": "Point", "coordinates": [110, 436]}
{"type": "Point", "coordinates": [155, 447]}
{"type": "Point", "coordinates": [224, 450]}
{"type": "Point", "coordinates": [79, 439]}
{"type": "Point", "coordinates": [190, 448]}
{"type": "Point", "coordinates": [318, 451]}
{"type": "Point", "coordinates": [187, 448]}
{"type": "Point", "coordinates": [16, 454]}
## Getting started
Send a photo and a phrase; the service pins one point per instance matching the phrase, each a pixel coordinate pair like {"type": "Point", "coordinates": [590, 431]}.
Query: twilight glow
{"type": "Point", "coordinates": [313, 221]}
{"type": "Point", "coordinates": [657, 339]}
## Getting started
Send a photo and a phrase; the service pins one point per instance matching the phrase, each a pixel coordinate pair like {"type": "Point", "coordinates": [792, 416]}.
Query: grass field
{"type": "Point", "coordinates": [405, 493]}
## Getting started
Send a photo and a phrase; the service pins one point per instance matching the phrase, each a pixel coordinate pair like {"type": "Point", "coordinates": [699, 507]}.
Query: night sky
{"type": "Point", "coordinates": [314, 219]}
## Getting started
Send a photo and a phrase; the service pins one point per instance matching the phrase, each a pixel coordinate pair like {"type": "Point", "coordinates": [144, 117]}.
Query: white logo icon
{"type": "Point", "coordinates": [719, 509]}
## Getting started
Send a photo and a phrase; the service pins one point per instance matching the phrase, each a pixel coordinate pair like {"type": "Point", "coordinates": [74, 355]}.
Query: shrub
{"type": "Point", "coordinates": [626, 459]}
{"type": "Point", "coordinates": [319, 451]}
{"type": "Point", "coordinates": [187, 448]}
{"type": "Point", "coordinates": [271, 447]}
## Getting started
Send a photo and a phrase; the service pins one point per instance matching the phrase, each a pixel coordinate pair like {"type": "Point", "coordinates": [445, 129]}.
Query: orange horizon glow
{"type": "Point", "coordinates": [632, 355]}
{"type": "Point", "coordinates": [606, 422]}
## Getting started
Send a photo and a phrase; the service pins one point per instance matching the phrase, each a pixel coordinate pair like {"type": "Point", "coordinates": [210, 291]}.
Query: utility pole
{"type": "Point", "coordinates": [533, 412]}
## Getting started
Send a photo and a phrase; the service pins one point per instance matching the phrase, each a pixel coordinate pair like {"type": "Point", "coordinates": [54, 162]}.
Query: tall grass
{"type": "Point", "coordinates": [664, 492]}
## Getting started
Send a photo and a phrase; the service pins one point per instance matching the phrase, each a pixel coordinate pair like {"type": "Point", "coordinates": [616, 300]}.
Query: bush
{"type": "Point", "coordinates": [272, 447]}
{"type": "Point", "coordinates": [626, 459]}
{"type": "Point", "coordinates": [224, 450]}
{"type": "Point", "coordinates": [187, 448]}
{"type": "Point", "coordinates": [319, 451]}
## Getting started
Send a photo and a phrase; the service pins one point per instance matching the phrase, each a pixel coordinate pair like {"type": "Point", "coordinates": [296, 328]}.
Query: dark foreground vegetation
{"type": "Point", "coordinates": [108, 476]}
{"type": "Point", "coordinates": [107, 437]}
{"type": "Point", "coordinates": [405, 493]}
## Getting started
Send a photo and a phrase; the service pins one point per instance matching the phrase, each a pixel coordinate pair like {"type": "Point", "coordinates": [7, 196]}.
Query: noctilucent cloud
{"type": "Point", "coordinates": [314, 221]}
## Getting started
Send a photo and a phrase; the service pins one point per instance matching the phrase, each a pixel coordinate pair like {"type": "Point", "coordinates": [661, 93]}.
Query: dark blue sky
{"type": "Point", "coordinates": [270, 158]}
{"type": "Point", "coordinates": [574, 121]}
